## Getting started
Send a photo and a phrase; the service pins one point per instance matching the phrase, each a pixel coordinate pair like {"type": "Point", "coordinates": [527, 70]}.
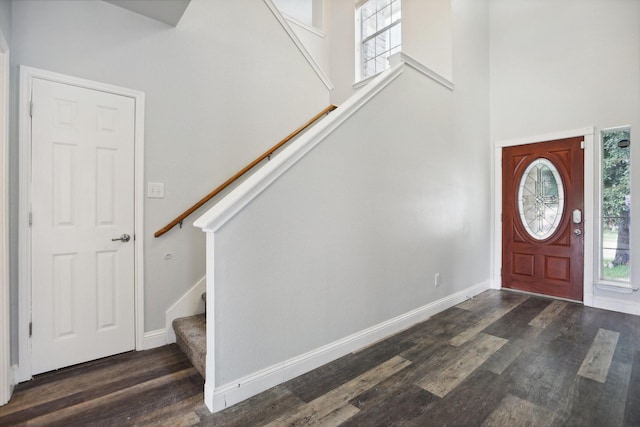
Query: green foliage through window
{"type": "Point", "coordinates": [616, 205]}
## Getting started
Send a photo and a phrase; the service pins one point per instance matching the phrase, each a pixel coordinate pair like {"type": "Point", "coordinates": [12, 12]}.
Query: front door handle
{"type": "Point", "coordinates": [577, 232]}
{"type": "Point", "coordinates": [124, 238]}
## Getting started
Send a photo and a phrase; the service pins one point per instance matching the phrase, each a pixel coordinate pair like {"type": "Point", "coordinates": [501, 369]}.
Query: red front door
{"type": "Point", "coordinates": [542, 218]}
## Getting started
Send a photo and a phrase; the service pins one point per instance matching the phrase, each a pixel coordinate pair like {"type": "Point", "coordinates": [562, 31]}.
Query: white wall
{"type": "Point", "coordinates": [221, 87]}
{"type": "Point", "coordinates": [427, 34]}
{"type": "Point", "coordinates": [563, 65]}
{"type": "Point", "coordinates": [341, 32]}
{"type": "Point", "coordinates": [399, 192]}
{"type": "Point", "coordinates": [315, 41]}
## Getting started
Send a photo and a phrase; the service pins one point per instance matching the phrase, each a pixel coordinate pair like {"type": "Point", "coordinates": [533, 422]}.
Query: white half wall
{"type": "Point", "coordinates": [229, 394]}
{"type": "Point", "coordinates": [352, 234]}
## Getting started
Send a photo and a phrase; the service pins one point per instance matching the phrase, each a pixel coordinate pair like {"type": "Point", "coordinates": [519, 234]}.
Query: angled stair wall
{"type": "Point", "coordinates": [334, 244]}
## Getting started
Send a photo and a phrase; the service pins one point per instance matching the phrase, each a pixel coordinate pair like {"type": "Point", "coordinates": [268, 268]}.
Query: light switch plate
{"type": "Point", "coordinates": [155, 190]}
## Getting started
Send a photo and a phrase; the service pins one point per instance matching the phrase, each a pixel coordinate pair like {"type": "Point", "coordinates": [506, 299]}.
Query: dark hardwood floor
{"type": "Point", "coordinates": [500, 359]}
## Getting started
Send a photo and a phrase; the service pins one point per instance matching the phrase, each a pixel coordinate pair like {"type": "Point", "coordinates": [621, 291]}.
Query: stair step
{"type": "Point", "coordinates": [191, 337]}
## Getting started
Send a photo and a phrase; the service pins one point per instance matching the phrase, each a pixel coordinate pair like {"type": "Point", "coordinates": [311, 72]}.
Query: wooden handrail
{"type": "Point", "coordinates": [244, 170]}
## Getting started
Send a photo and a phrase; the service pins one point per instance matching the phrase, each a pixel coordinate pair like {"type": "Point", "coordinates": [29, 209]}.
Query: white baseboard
{"type": "Point", "coordinates": [219, 398]}
{"type": "Point", "coordinates": [11, 382]}
{"type": "Point", "coordinates": [189, 304]}
{"type": "Point", "coordinates": [154, 339]}
{"type": "Point", "coordinates": [614, 304]}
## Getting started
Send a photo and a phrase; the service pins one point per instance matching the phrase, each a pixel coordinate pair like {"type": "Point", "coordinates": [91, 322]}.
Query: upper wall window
{"type": "Point", "coordinates": [615, 203]}
{"type": "Point", "coordinates": [378, 36]}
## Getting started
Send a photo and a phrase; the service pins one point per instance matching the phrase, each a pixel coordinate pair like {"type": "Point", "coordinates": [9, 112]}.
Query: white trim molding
{"type": "Point", "coordinates": [27, 75]}
{"type": "Point", "coordinates": [402, 57]}
{"type": "Point", "coordinates": [6, 372]}
{"type": "Point", "coordinates": [283, 21]}
{"type": "Point", "coordinates": [420, 67]}
{"type": "Point", "coordinates": [304, 26]}
{"type": "Point", "coordinates": [154, 339]}
{"type": "Point", "coordinates": [189, 304]}
{"type": "Point", "coordinates": [219, 398]}
{"type": "Point", "coordinates": [615, 304]}
{"type": "Point", "coordinates": [589, 206]}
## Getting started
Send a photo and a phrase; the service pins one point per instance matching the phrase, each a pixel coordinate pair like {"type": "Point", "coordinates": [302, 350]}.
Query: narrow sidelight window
{"type": "Point", "coordinates": [378, 35]}
{"type": "Point", "coordinates": [615, 251]}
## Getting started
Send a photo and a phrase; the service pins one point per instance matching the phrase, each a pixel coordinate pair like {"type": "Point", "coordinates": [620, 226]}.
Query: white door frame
{"type": "Point", "coordinates": [589, 203]}
{"type": "Point", "coordinates": [27, 75]}
{"type": "Point", "coordinates": [6, 378]}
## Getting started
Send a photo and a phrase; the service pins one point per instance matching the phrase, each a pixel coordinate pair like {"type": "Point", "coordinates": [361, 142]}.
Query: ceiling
{"type": "Point", "coordinates": [167, 11]}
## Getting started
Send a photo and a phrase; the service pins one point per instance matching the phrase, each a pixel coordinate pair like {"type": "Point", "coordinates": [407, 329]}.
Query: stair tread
{"type": "Point", "coordinates": [191, 337]}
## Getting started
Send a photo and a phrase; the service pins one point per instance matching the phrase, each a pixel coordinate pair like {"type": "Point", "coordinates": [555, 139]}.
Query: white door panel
{"type": "Point", "coordinates": [82, 198]}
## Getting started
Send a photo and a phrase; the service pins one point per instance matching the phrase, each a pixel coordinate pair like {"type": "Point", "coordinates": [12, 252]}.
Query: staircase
{"type": "Point", "coordinates": [191, 337]}
{"type": "Point", "coordinates": [191, 332]}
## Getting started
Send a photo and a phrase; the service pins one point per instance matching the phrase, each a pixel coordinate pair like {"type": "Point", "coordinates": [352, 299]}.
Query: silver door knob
{"type": "Point", "coordinates": [124, 238]}
{"type": "Point", "coordinates": [577, 232]}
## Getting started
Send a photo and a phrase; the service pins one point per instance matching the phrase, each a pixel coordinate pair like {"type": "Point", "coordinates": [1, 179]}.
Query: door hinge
{"type": "Point", "coordinates": [30, 329]}
{"type": "Point", "coordinates": [31, 109]}
{"type": "Point", "coordinates": [500, 217]}
{"type": "Point", "coordinates": [30, 219]}
{"type": "Point", "coordinates": [582, 144]}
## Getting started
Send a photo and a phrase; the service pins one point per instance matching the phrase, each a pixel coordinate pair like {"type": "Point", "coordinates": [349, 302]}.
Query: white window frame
{"type": "Point", "coordinates": [600, 282]}
{"type": "Point", "coordinates": [359, 41]}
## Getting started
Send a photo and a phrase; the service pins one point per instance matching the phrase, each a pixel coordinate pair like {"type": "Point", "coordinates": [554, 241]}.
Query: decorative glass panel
{"type": "Point", "coordinates": [541, 199]}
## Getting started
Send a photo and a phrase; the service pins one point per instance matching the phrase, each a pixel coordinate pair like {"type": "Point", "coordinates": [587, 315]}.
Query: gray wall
{"type": "Point", "coordinates": [353, 234]}
{"type": "Point", "coordinates": [5, 19]}
{"type": "Point", "coordinates": [221, 87]}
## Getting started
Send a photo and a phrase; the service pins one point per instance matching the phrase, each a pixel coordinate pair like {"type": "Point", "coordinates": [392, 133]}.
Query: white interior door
{"type": "Point", "coordinates": [82, 199]}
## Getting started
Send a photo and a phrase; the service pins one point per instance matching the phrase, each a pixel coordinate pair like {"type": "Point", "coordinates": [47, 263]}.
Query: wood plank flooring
{"type": "Point", "coordinates": [499, 359]}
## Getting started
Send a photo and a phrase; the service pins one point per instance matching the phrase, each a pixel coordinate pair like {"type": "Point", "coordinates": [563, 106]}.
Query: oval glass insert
{"type": "Point", "coordinates": [541, 199]}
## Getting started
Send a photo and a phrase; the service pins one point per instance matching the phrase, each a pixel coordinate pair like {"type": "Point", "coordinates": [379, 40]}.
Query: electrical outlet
{"type": "Point", "coordinates": [155, 190]}
{"type": "Point", "coordinates": [436, 279]}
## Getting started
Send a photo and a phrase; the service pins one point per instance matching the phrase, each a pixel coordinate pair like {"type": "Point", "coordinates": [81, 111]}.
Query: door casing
{"type": "Point", "coordinates": [27, 75]}
{"type": "Point", "coordinates": [6, 377]}
{"type": "Point", "coordinates": [589, 204]}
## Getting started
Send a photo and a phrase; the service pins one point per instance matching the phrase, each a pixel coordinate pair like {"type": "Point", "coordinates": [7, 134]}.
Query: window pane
{"type": "Point", "coordinates": [369, 68]}
{"type": "Point", "coordinates": [367, 10]}
{"type": "Point", "coordinates": [616, 205]}
{"type": "Point", "coordinates": [396, 12]}
{"type": "Point", "coordinates": [381, 63]}
{"type": "Point", "coordinates": [382, 3]}
{"type": "Point", "coordinates": [384, 17]}
{"type": "Point", "coordinates": [382, 43]}
{"type": "Point", "coordinates": [368, 27]}
{"type": "Point", "coordinates": [396, 36]}
{"type": "Point", "coordinates": [369, 50]}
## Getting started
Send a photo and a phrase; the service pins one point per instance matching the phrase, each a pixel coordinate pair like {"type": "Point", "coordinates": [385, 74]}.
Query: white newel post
{"type": "Point", "coordinates": [210, 378]}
